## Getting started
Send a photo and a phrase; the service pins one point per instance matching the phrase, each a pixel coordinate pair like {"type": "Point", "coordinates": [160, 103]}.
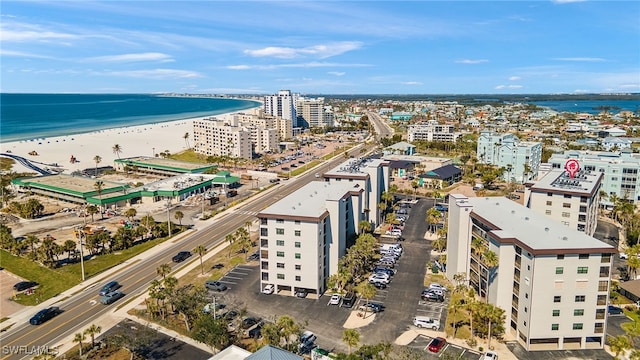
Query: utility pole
{"type": "Point", "coordinates": [169, 215]}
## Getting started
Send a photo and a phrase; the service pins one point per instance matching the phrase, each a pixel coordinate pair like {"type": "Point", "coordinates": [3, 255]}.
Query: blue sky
{"type": "Point", "coordinates": [313, 47]}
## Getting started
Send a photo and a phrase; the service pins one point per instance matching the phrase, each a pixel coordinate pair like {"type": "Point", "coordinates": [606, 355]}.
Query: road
{"type": "Point", "coordinates": [382, 129]}
{"type": "Point", "coordinates": [83, 309]}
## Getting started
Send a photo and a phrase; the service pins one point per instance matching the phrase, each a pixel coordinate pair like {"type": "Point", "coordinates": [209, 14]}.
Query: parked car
{"type": "Point", "coordinates": [383, 278]}
{"type": "Point", "coordinates": [430, 296]}
{"type": "Point", "coordinates": [215, 285]}
{"type": "Point", "coordinates": [371, 307]}
{"type": "Point", "coordinates": [256, 332]}
{"type": "Point", "coordinates": [490, 355]}
{"type": "Point", "coordinates": [44, 315]}
{"type": "Point", "coordinates": [384, 270]}
{"type": "Point", "coordinates": [614, 310]}
{"type": "Point", "coordinates": [441, 207]}
{"type": "Point", "coordinates": [111, 297]}
{"type": "Point", "coordinates": [389, 264]}
{"type": "Point", "coordinates": [379, 285]}
{"type": "Point", "coordinates": [348, 300]}
{"type": "Point", "coordinates": [301, 293]}
{"type": "Point", "coordinates": [438, 287]}
{"type": "Point", "coordinates": [433, 291]}
{"type": "Point", "coordinates": [268, 289]}
{"type": "Point", "coordinates": [249, 322]}
{"type": "Point", "coordinates": [335, 299]}
{"type": "Point", "coordinates": [437, 344]}
{"type": "Point", "coordinates": [181, 256]}
{"type": "Point", "coordinates": [24, 285]}
{"type": "Point", "coordinates": [109, 287]}
{"type": "Point", "coordinates": [426, 322]}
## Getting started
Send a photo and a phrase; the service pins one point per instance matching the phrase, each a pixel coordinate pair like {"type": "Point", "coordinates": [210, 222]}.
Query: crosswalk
{"type": "Point", "coordinates": [247, 212]}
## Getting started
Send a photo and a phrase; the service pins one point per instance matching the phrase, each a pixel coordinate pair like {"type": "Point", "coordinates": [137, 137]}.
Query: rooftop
{"type": "Point", "coordinates": [309, 200]}
{"type": "Point", "coordinates": [537, 231]}
{"type": "Point", "coordinates": [559, 180]}
{"type": "Point", "coordinates": [354, 167]}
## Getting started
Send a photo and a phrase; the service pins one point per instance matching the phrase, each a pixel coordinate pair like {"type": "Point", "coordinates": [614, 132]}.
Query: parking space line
{"type": "Point", "coordinates": [228, 282]}
{"type": "Point", "coordinates": [233, 277]}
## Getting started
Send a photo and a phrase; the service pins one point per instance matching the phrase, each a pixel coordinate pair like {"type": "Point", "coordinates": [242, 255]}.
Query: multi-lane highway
{"type": "Point", "coordinates": [82, 309]}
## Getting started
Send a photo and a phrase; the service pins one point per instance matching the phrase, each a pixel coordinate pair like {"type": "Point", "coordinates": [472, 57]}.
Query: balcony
{"type": "Point", "coordinates": [264, 243]}
{"type": "Point", "coordinates": [264, 254]}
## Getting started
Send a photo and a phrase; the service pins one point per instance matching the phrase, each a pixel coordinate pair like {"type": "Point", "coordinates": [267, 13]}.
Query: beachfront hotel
{"type": "Point", "coordinates": [369, 174]}
{"type": "Point", "coordinates": [520, 158]}
{"type": "Point", "coordinates": [572, 201]}
{"type": "Point", "coordinates": [552, 281]}
{"type": "Point", "coordinates": [282, 105]}
{"type": "Point", "coordinates": [213, 137]}
{"type": "Point", "coordinates": [303, 235]}
{"type": "Point", "coordinates": [312, 113]}
{"type": "Point", "coordinates": [620, 171]}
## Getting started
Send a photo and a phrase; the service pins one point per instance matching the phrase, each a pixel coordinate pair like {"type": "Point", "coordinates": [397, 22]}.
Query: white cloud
{"type": "Point", "coordinates": [514, 78]}
{"type": "Point", "coordinates": [502, 87]}
{"type": "Point", "coordinates": [312, 64]}
{"type": "Point", "coordinates": [336, 73]}
{"type": "Point", "coordinates": [32, 33]}
{"type": "Point", "coordinates": [411, 83]}
{"type": "Point", "coordinates": [320, 51]}
{"type": "Point", "coordinates": [156, 74]}
{"type": "Point", "coordinates": [471, 61]}
{"type": "Point", "coordinates": [4, 52]}
{"type": "Point", "coordinates": [150, 56]}
{"type": "Point", "coordinates": [566, 1]}
{"type": "Point", "coordinates": [583, 59]}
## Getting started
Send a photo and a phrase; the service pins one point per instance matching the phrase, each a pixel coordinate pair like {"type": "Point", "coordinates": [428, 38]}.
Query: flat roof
{"type": "Point", "coordinates": [584, 182]}
{"type": "Point", "coordinates": [165, 164]}
{"type": "Point", "coordinates": [354, 167]}
{"type": "Point", "coordinates": [537, 231]}
{"type": "Point", "coordinates": [309, 200]}
{"type": "Point", "coordinates": [79, 185]}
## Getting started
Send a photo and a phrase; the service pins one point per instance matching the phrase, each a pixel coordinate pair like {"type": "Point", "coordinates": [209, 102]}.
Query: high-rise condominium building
{"type": "Point", "coordinates": [282, 105]}
{"type": "Point", "coordinates": [432, 132]}
{"type": "Point", "coordinates": [213, 137]}
{"type": "Point", "coordinates": [521, 159]}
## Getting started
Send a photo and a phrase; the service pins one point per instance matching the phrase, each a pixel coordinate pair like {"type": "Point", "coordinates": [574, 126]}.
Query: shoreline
{"type": "Point", "coordinates": [136, 140]}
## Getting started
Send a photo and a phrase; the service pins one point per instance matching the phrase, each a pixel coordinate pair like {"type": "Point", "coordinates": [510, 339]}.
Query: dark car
{"type": "Point", "coordinates": [437, 344]}
{"type": "Point", "coordinates": [379, 285]}
{"type": "Point", "coordinates": [181, 256]}
{"type": "Point", "coordinates": [256, 332]}
{"type": "Point", "coordinates": [614, 310]}
{"type": "Point", "coordinates": [215, 285]}
{"type": "Point", "coordinates": [111, 297]}
{"type": "Point", "coordinates": [301, 293]}
{"type": "Point", "coordinates": [431, 296]}
{"type": "Point", "coordinates": [441, 207]}
{"type": "Point", "coordinates": [348, 300]}
{"type": "Point", "coordinates": [109, 287]}
{"type": "Point", "coordinates": [384, 270]}
{"type": "Point", "coordinates": [230, 315]}
{"type": "Point", "coordinates": [44, 315]}
{"type": "Point", "coordinates": [373, 307]}
{"type": "Point", "coordinates": [24, 285]}
{"type": "Point", "coordinates": [249, 322]}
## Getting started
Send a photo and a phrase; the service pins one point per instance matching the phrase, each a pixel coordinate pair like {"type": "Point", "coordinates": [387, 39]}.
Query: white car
{"type": "Point", "coordinates": [426, 322]}
{"type": "Point", "coordinates": [437, 286]}
{"type": "Point", "coordinates": [490, 355]}
{"type": "Point", "coordinates": [268, 289]}
{"type": "Point", "coordinates": [380, 278]}
{"type": "Point", "coordinates": [335, 299]}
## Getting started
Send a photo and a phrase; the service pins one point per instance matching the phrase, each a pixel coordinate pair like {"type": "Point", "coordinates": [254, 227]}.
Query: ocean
{"type": "Point", "coordinates": [590, 106]}
{"type": "Point", "coordinates": [31, 116]}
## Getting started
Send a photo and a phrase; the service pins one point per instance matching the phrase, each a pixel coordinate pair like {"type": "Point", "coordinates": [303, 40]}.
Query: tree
{"type": "Point", "coordinates": [490, 260]}
{"type": "Point", "coordinates": [79, 338]}
{"type": "Point", "coordinates": [179, 215]}
{"type": "Point", "coordinates": [364, 226]}
{"type": "Point", "coordinates": [32, 240]}
{"type": "Point", "coordinates": [99, 186]}
{"type": "Point", "coordinates": [131, 213]}
{"type": "Point", "coordinates": [186, 139]}
{"type": "Point", "coordinates": [70, 248]}
{"type": "Point", "coordinates": [92, 331]}
{"type": "Point", "coordinates": [211, 331]}
{"type": "Point", "coordinates": [163, 270]}
{"type": "Point", "coordinates": [92, 210]}
{"type": "Point", "coordinates": [351, 337]}
{"type": "Point", "coordinates": [97, 159]}
{"type": "Point", "coordinates": [367, 291]}
{"type": "Point", "coordinates": [117, 149]}
{"type": "Point", "coordinates": [289, 329]}
{"type": "Point", "coordinates": [231, 238]}
{"type": "Point", "coordinates": [433, 218]}
{"type": "Point", "coordinates": [200, 250]}
{"type": "Point", "coordinates": [619, 344]}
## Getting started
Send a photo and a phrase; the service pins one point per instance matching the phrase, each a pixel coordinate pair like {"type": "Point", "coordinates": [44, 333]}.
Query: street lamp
{"type": "Point", "coordinates": [169, 215]}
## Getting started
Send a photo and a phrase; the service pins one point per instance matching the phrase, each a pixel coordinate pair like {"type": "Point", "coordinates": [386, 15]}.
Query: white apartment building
{"type": "Point", "coordinates": [520, 158]}
{"type": "Point", "coordinates": [552, 281]}
{"type": "Point", "coordinates": [432, 132]}
{"type": "Point", "coordinates": [369, 174]}
{"type": "Point", "coordinates": [213, 137]}
{"type": "Point", "coordinates": [571, 201]}
{"type": "Point", "coordinates": [282, 105]}
{"type": "Point", "coordinates": [303, 235]}
{"type": "Point", "coordinates": [312, 113]}
{"type": "Point", "coordinates": [620, 171]}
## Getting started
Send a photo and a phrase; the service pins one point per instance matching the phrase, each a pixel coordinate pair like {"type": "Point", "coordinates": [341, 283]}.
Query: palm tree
{"type": "Point", "coordinates": [99, 186]}
{"type": "Point", "coordinates": [200, 250]}
{"type": "Point", "coordinates": [493, 315]}
{"type": "Point", "coordinates": [471, 305]}
{"type": "Point", "coordinates": [433, 218]}
{"type": "Point", "coordinates": [351, 337]}
{"type": "Point", "coordinates": [117, 149]}
{"type": "Point", "coordinates": [163, 270]}
{"type": "Point", "coordinates": [79, 338]}
{"type": "Point", "coordinates": [130, 213]}
{"type": "Point", "coordinates": [179, 215]}
{"type": "Point", "coordinates": [619, 344]}
{"type": "Point", "coordinates": [490, 260]}
{"type": "Point", "coordinates": [92, 331]}
{"type": "Point", "coordinates": [92, 210]}
{"type": "Point", "coordinates": [367, 291]}
{"type": "Point", "coordinates": [186, 139]}
{"type": "Point", "coordinates": [97, 159]}
{"type": "Point", "coordinates": [33, 241]}
{"type": "Point", "coordinates": [364, 226]}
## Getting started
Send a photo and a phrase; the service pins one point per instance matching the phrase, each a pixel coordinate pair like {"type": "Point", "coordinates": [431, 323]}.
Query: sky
{"type": "Point", "coordinates": [320, 47]}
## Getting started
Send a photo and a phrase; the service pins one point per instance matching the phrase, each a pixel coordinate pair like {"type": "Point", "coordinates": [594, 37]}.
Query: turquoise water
{"type": "Point", "coordinates": [590, 106]}
{"type": "Point", "coordinates": [30, 116]}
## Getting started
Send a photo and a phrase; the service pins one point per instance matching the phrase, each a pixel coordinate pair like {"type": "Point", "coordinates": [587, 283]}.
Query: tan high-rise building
{"type": "Point", "coordinates": [213, 137]}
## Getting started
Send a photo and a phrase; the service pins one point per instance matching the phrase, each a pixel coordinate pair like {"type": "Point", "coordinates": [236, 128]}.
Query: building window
{"type": "Point", "coordinates": [297, 244]}
{"type": "Point", "coordinates": [263, 221]}
{"type": "Point", "coordinates": [555, 327]}
{"type": "Point", "coordinates": [296, 233]}
{"type": "Point", "coordinates": [602, 300]}
{"type": "Point", "coordinates": [556, 313]}
{"type": "Point", "coordinates": [566, 214]}
{"type": "Point", "coordinates": [583, 209]}
{"type": "Point", "coordinates": [297, 255]}
{"type": "Point", "coordinates": [264, 232]}
{"type": "Point", "coordinates": [583, 256]}
{"type": "Point", "coordinates": [549, 194]}
{"type": "Point", "coordinates": [560, 257]}
{"type": "Point", "coordinates": [279, 221]}
{"type": "Point", "coordinates": [606, 258]}
{"type": "Point", "coordinates": [603, 285]}
{"type": "Point", "coordinates": [547, 212]}
{"type": "Point", "coordinates": [549, 202]}
{"type": "Point", "coordinates": [280, 276]}
{"type": "Point", "coordinates": [600, 314]}
{"type": "Point", "coordinates": [297, 222]}
{"type": "Point", "coordinates": [578, 312]}
{"type": "Point", "coordinates": [599, 328]}
{"type": "Point", "coordinates": [298, 267]}
{"type": "Point", "coordinates": [280, 254]}
{"type": "Point", "coordinates": [566, 205]}
{"type": "Point", "coordinates": [583, 269]}
{"type": "Point", "coordinates": [557, 299]}
{"type": "Point", "coordinates": [280, 242]}
{"type": "Point", "coordinates": [559, 270]}
{"type": "Point", "coordinates": [279, 231]}
{"type": "Point", "coordinates": [577, 326]}
{"type": "Point", "coordinates": [280, 265]}
{"type": "Point", "coordinates": [604, 271]}
{"type": "Point", "coordinates": [580, 298]}
{"type": "Point", "coordinates": [298, 277]}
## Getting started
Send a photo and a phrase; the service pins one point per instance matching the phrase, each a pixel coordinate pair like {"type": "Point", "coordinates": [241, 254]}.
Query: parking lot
{"type": "Point", "coordinates": [449, 351]}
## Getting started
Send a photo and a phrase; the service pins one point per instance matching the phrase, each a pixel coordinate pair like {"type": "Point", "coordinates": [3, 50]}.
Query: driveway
{"type": "Point", "coordinates": [7, 306]}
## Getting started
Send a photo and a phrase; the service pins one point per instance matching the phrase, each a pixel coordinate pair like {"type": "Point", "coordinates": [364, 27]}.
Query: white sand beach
{"type": "Point", "coordinates": [142, 140]}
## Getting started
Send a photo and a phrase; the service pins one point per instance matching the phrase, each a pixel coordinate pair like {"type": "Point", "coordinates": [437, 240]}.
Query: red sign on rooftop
{"type": "Point", "coordinates": [572, 166]}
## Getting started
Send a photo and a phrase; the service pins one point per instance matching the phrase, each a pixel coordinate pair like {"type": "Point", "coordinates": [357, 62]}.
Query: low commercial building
{"type": "Point", "coordinates": [552, 281]}
{"type": "Point", "coordinates": [160, 166]}
{"type": "Point", "coordinates": [303, 235]}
